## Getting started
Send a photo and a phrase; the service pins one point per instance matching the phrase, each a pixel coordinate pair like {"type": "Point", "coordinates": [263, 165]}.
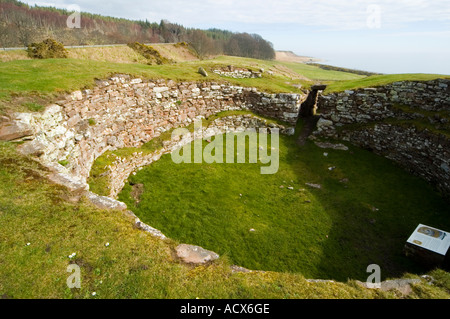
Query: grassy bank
{"type": "Point", "coordinates": [380, 80]}
{"type": "Point", "coordinates": [27, 81]}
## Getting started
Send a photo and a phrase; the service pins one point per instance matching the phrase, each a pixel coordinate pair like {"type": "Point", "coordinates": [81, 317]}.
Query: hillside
{"type": "Point", "coordinates": [21, 25]}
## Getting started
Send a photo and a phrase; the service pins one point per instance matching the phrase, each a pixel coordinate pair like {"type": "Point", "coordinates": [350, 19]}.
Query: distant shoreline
{"type": "Point", "coordinates": [289, 56]}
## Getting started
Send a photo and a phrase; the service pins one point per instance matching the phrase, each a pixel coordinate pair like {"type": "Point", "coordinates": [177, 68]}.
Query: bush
{"type": "Point", "coordinates": [47, 49]}
{"type": "Point", "coordinates": [148, 52]}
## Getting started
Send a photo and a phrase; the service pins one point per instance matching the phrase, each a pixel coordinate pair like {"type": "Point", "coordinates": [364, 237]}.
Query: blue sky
{"type": "Point", "coordinates": [389, 36]}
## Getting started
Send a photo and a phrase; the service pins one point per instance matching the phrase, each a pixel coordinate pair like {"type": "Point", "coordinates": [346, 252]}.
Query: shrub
{"type": "Point", "coordinates": [148, 52]}
{"type": "Point", "coordinates": [47, 49]}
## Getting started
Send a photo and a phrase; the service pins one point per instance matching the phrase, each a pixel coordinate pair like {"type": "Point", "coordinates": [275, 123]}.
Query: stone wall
{"type": "Point", "coordinates": [128, 112]}
{"type": "Point", "coordinates": [122, 168]}
{"type": "Point", "coordinates": [238, 73]}
{"type": "Point", "coordinates": [404, 121]}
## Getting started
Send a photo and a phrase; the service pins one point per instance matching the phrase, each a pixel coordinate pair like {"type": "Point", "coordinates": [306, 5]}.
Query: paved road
{"type": "Point", "coordinates": [83, 46]}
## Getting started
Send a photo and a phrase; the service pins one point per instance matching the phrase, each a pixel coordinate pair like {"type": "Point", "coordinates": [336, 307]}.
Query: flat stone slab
{"type": "Point", "coordinates": [318, 186]}
{"type": "Point", "coordinates": [153, 231]}
{"type": "Point", "coordinates": [402, 285]}
{"type": "Point", "coordinates": [68, 181]}
{"type": "Point", "coordinates": [14, 130]}
{"type": "Point", "coordinates": [340, 147]}
{"type": "Point", "coordinates": [104, 202]}
{"type": "Point", "coordinates": [194, 254]}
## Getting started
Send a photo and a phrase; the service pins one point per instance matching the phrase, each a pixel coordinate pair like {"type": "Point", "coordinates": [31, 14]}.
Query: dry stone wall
{"type": "Point", "coordinates": [122, 168]}
{"type": "Point", "coordinates": [382, 119]}
{"type": "Point", "coordinates": [127, 112]}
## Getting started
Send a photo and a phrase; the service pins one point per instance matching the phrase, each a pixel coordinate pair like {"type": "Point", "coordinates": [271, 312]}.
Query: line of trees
{"type": "Point", "coordinates": [20, 25]}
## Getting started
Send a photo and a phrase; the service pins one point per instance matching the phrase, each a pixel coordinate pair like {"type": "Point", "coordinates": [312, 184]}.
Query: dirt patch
{"type": "Point", "coordinates": [136, 192]}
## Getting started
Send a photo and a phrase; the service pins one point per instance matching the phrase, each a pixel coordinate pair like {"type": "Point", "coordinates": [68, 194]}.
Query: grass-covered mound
{"type": "Point", "coordinates": [363, 214]}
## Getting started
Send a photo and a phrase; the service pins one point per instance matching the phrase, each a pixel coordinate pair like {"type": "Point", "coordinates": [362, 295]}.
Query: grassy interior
{"type": "Point", "coordinates": [329, 233]}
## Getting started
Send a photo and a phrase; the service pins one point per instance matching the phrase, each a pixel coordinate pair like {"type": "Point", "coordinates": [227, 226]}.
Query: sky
{"type": "Point", "coordinates": [386, 36]}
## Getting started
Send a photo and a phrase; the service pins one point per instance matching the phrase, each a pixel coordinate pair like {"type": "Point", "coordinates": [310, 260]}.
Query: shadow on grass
{"type": "Point", "coordinates": [374, 206]}
{"type": "Point", "coordinates": [363, 213]}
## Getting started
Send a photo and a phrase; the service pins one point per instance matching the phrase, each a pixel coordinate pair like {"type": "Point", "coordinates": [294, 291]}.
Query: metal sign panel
{"type": "Point", "coordinates": [430, 238]}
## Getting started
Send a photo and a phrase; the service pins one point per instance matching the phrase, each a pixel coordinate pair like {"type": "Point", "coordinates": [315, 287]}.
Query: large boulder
{"type": "Point", "coordinates": [18, 128]}
{"type": "Point", "coordinates": [194, 254]}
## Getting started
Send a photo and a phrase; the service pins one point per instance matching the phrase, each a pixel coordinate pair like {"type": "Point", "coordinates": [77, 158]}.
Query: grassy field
{"type": "Point", "coordinates": [330, 233]}
{"type": "Point", "coordinates": [380, 80]}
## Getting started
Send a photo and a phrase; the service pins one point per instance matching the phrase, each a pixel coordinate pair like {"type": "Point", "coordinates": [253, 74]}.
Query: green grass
{"type": "Point", "coordinates": [331, 233]}
{"type": "Point", "coordinates": [317, 74]}
{"type": "Point", "coordinates": [39, 229]}
{"type": "Point", "coordinates": [379, 80]}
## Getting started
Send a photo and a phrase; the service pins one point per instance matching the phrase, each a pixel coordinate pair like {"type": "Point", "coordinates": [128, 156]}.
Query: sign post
{"type": "Point", "coordinates": [429, 246]}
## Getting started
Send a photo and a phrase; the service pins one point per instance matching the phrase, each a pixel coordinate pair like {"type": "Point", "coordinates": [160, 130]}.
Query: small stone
{"type": "Point", "coordinates": [202, 71]}
{"type": "Point", "coordinates": [318, 186]}
{"type": "Point", "coordinates": [252, 229]}
{"type": "Point", "coordinates": [290, 187]}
